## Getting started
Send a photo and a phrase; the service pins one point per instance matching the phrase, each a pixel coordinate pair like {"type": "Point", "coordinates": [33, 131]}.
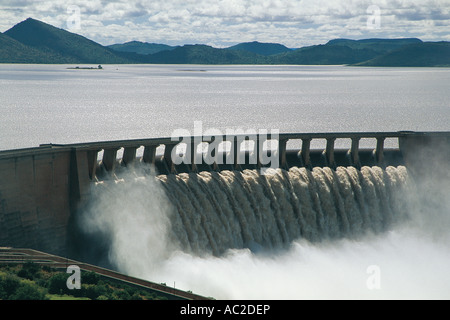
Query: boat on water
{"type": "Point", "coordinates": [99, 67]}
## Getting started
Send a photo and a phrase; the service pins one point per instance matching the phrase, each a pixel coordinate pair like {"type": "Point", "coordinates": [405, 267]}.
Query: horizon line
{"type": "Point", "coordinates": [224, 47]}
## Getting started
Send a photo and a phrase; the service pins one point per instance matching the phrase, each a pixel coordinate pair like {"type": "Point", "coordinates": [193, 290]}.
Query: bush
{"type": "Point", "coordinates": [57, 284]}
{"type": "Point", "coordinates": [8, 285]}
{"type": "Point", "coordinates": [31, 281]}
{"type": "Point", "coordinates": [91, 291]}
{"type": "Point", "coordinates": [123, 295]}
{"type": "Point", "coordinates": [27, 291]}
{"type": "Point", "coordinates": [3, 295]}
{"type": "Point", "coordinates": [90, 277]}
{"type": "Point", "coordinates": [135, 296]}
{"type": "Point", "coordinates": [29, 271]}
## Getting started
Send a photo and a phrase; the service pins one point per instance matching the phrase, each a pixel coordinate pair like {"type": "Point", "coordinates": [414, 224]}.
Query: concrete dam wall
{"type": "Point", "coordinates": [42, 188]}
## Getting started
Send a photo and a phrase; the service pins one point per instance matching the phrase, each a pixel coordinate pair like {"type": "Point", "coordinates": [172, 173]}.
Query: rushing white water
{"type": "Point", "coordinates": [216, 211]}
{"type": "Point", "coordinates": [297, 234]}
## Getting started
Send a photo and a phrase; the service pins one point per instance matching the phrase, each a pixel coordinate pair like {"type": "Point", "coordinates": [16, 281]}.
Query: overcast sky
{"type": "Point", "coordinates": [220, 23]}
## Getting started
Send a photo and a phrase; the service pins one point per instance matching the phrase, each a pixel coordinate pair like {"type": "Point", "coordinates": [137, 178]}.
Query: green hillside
{"type": "Point", "coordinates": [343, 51]}
{"type": "Point", "coordinates": [426, 54]}
{"type": "Point", "coordinates": [380, 46]}
{"type": "Point", "coordinates": [33, 41]}
{"type": "Point", "coordinates": [61, 46]}
{"type": "Point", "coordinates": [139, 47]}
{"type": "Point", "coordinates": [325, 55]}
{"type": "Point", "coordinates": [203, 54]}
{"type": "Point", "coordinates": [12, 51]}
{"type": "Point", "coordinates": [265, 49]}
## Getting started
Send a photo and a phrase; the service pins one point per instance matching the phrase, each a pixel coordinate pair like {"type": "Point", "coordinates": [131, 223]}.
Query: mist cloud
{"type": "Point", "coordinates": [413, 258]}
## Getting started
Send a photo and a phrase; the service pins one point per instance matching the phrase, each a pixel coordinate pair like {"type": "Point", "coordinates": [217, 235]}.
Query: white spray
{"type": "Point", "coordinates": [297, 234]}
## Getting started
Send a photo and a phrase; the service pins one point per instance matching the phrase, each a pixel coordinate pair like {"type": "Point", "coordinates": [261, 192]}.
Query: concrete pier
{"type": "Point", "coordinates": [42, 187]}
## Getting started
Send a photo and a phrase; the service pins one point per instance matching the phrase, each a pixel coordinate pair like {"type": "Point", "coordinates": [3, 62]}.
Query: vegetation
{"type": "Point", "coordinates": [61, 46]}
{"type": "Point", "coordinates": [427, 54]}
{"type": "Point", "coordinates": [33, 41]}
{"type": "Point", "coordinates": [265, 49]}
{"type": "Point", "coordinates": [378, 46]}
{"type": "Point", "coordinates": [202, 54]}
{"type": "Point", "coordinates": [31, 281]}
{"type": "Point", "coordinates": [13, 51]}
{"type": "Point", "coordinates": [325, 55]}
{"type": "Point", "coordinates": [139, 47]}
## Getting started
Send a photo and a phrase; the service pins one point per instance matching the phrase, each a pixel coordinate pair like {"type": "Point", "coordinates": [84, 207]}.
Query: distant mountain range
{"type": "Point", "coordinates": [33, 41]}
{"type": "Point", "coordinates": [139, 47]}
{"type": "Point", "coordinates": [265, 49]}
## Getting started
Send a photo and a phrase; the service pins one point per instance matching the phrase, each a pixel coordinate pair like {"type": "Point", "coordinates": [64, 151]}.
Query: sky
{"type": "Point", "coordinates": [222, 23]}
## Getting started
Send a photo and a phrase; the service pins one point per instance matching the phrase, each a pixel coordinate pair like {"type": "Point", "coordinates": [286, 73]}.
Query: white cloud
{"type": "Point", "coordinates": [294, 23]}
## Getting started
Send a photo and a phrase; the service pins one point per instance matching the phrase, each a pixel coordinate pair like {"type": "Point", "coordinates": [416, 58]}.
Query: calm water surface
{"type": "Point", "coordinates": [52, 104]}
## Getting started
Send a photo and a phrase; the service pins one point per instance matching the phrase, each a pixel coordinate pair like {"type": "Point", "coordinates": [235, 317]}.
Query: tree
{"type": "Point", "coordinates": [57, 284]}
{"type": "Point", "coordinates": [8, 285]}
{"type": "Point", "coordinates": [28, 291]}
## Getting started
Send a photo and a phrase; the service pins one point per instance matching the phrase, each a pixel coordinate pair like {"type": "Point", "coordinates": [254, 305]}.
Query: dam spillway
{"type": "Point", "coordinates": [225, 201]}
{"type": "Point", "coordinates": [217, 211]}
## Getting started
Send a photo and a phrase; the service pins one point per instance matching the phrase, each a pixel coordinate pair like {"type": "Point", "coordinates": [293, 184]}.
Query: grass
{"type": "Point", "coordinates": [64, 297]}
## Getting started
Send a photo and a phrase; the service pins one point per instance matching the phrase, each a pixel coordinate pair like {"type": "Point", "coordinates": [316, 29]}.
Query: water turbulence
{"type": "Point", "coordinates": [217, 211]}
{"type": "Point", "coordinates": [221, 233]}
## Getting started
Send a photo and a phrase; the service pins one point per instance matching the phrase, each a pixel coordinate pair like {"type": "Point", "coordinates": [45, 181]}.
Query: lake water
{"type": "Point", "coordinates": [52, 104]}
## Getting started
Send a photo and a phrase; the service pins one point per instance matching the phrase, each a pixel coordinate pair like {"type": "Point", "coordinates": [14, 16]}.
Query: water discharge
{"type": "Point", "coordinates": [289, 234]}
{"type": "Point", "coordinates": [217, 211]}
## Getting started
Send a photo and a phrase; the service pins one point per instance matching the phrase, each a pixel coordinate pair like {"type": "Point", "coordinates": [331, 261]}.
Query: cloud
{"type": "Point", "coordinates": [292, 22]}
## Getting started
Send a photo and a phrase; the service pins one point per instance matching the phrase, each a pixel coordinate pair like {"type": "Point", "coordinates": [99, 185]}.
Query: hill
{"type": "Point", "coordinates": [61, 46]}
{"type": "Point", "coordinates": [33, 41]}
{"type": "Point", "coordinates": [378, 45]}
{"type": "Point", "coordinates": [426, 54]}
{"type": "Point", "coordinates": [13, 51]}
{"type": "Point", "coordinates": [265, 49]}
{"type": "Point", "coordinates": [203, 54]}
{"type": "Point", "coordinates": [343, 51]}
{"type": "Point", "coordinates": [139, 47]}
{"type": "Point", "coordinates": [324, 55]}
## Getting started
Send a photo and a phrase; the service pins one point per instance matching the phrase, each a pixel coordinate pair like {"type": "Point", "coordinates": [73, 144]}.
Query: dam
{"type": "Point", "coordinates": [224, 201]}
